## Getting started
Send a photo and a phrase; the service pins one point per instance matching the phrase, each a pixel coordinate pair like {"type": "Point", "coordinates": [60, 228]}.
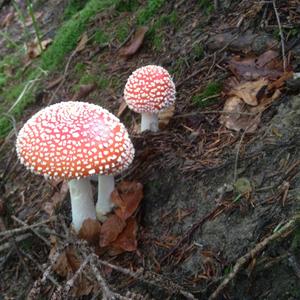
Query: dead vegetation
{"type": "Point", "coordinates": [219, 216]}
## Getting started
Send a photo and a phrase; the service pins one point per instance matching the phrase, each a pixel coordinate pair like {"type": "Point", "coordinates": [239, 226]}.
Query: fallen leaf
{"type": "Point", "coordinates": [34, 50]}
{"type": "Point", "coordinates": [54, 82]}
{"type": "Point", "coordinates": [84, 91]}
{"type": "Point", "coordinates": [165, 116]}
{"type": "Point", "coordinates": [110, 230]}
{"type": "Point", "coordinates": [82, 287]}
{"type": "Point", "coordinates": [126, 240]}
{"type": "Point", "coordinates": [90, 231]}
{"type": "Point", "coordinates": [250, 91]}
{"type": "Point", "coordinates": [266, 65]}
{"type": "Point", "coordinates": [7, 20]}
{"type": "Point", "coordinates": [67, 263]}
{"type": "Point", "coordinates": [122, 108]}
{"type": "Point", "coordinates": [50, 206]}
{"type": "Point", "coordinates": [29, 21]}
{"type": "Point", "coordinates": [82, 43]}
{"type": "Point", "coordinates": [135, 43]}
{"type": "Point", "coordinates": [236, 121]}
{"type": "Point", "coordinates": [127, 198]}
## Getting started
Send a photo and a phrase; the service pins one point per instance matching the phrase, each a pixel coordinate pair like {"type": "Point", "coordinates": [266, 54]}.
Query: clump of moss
{"type": "Point", "coordinates": [127, 5]}
{"type": "Point", "coordinates": [207, 6]}
{"type": "Point", "coordinates": [67, 37]}
{"type": "Point", "coordinates": [198, 52]}
{"type": "Point", "coordinates": [148, 12]}
{"type": "Point", "coordinates": [206, 97]}
{"type": "Point", "coordinates": [100, 37]}
{"type": "Point", "coordinates": [73, 7]}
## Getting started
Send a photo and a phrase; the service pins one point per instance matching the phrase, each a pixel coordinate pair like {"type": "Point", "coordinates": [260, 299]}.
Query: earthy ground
{"type": "Point", "coordinates": [218, 203]}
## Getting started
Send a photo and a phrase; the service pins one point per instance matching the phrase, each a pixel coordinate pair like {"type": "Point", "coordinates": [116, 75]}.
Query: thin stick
{"type": "Point", "coordinates": [33, 230]}
{"type": "Point", "coordinates": [21, 229]}
{"type": "Point", "coordinates": [281, 36]}
{"type": "Point", "coordinates": [289, 226]}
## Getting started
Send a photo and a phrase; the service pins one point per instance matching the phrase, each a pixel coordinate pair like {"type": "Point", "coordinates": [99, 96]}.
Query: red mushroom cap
{"type": "Point", "coordinates": [149, 89]}
{"type": "Point", "coordinates": [74, 140]}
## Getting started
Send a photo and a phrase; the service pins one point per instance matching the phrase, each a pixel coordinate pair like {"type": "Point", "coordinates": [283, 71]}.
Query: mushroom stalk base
{"type": "Point", "coordinates": [149, 122]}
{"type": "Point", "coordinates": [106, 185]}
{"type": "Point", "coordinates": [81, 201]}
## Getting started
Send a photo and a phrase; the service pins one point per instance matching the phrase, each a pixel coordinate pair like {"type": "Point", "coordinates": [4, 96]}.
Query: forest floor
{"type": "Point", "coordinates": [219, 218]}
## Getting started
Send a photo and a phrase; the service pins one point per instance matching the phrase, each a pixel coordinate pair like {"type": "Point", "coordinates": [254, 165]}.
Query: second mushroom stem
{"type": "Point", "coordinates": [149, 122]}
{"type": "Point", "coordinates": [106, 185]}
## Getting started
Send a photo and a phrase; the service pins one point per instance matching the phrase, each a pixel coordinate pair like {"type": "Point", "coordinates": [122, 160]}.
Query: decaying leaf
{"type": "Point", "coordinates": [127, 198]}
{"type": "Point", "coordinates": [82, 43]}
{"type": "Point", "coordinates": [165, 116]}
{"type": "Point", "coordinates": [50, 206]}
{"type": "Point", "coordinates": [90, 231]}
{"type": "Point", "coordinates": [82, 287]}
{"type": "Point", "coordinates": [122, 108]}
{"type": "Point", "coordinates": [266, 65]}
{"type": "Point", "coordinates": [54, 82]}
{"type": "Point", "coordinates": [135, 43]}
{"type": "Point", "coordinates": [237, 121]}
{"type": "Point", "coordinates": [250, 92]}
{"type": "Point", "coordinates": [34, 50]}
{"type": "Point", "coordinates": [7, 19]}
{"type": "Point", "coordinates": [126, 241]}
{"type": "Point", "coordinates": [67, 263]}
{"type": "Point", "coordinates": [110, 230]}
{"type": "Point", "coordinates": [84, 91]}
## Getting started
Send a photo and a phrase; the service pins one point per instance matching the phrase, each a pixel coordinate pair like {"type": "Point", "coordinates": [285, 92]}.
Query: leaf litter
{"type": "Point", "coordinates": [256, 85]}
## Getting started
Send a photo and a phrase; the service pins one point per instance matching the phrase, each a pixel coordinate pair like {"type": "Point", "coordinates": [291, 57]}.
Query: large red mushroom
{"type": "Point", "coordinates": [148, 91]}
{"type": "Point", "coordinates": [74, 140]}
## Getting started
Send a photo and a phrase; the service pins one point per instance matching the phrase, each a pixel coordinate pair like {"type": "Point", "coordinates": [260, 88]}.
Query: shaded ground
{"type": "Point", "coordinates": [194, 222]}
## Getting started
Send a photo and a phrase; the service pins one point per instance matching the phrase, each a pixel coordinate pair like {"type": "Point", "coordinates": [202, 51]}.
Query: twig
{"type": "Point", "coordinates": [21, 229]}
{"type": "Point", "coordinates": [126, 40]}
{"type": "Point", "coordinates": [289, 226]}
{"type": "Point", "coordinates": [281, 36]}
{"type": "Point", "coordinates": [150, 278]}
{"type": "Point", "coordinates": [17, 239]}
{"type": "Point", "coordinates": [33, 230]}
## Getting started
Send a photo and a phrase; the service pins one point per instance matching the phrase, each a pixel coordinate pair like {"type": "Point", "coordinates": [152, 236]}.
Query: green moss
{"type": "Point", "coordinates": [73, 7]}
{"type": "Point", "coordinates": [122, 31]}
{"type": "Point", "coordinates": [79, 68]}
{"type": "Point", "coordinates": [198, 52]}
{"type": "Point", "coordinates": [207, 6]}
{"type": "Point", "coordinates": [148, 12]}
{"type": "Point", "coordinates": [100, 37]}
{"type": "Point", "coordinates": [67, 37]}
{"type": "Point", "coordinates": [127, 5]}
{"type": "Point", "coordinates": [203, 100]}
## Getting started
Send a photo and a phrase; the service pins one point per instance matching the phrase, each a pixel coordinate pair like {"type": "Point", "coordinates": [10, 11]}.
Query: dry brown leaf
{"type": "Point", "coordinates": [84, 91]}
{"type": "Point", "coordinates": [122, 108]}
{"type": "Point", "coordinates": [67, 263]}
{"type": "Point", "coordinates": [54, 82]}
{"type": "Point", "coordinates": [250, 92]}
{"type": "Point", "coordinates": [7, 19]}
{"type": "Point", "coordinates": [127, 241]}
{"type": "Point", "coordinates": [135, 43]}
{"type": "Point", "coordinates": [82, 287]}
{"type": "Point", "coordinates": [266, 65]}
{"type": "Point", "coordinates": [56, 200]}
{"type": "Point", "coordinates": [34, 49]}
{"type": "Point", "coordinates": [165, 116]}
{"type": "Point", "coordinates": [110, 230]}
{"type": "Point", "coordinates": [28, 21]}
{"type": "Point", "coordinates": [82, 43]}
{"type": "Point", "coordinates": [90, 231]}
{"type": "Point", "coordinates": [235, 120]}
{"type": "Point", "coordinates": [127, 198]}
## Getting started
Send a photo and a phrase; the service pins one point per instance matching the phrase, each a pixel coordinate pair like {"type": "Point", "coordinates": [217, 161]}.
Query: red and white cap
{"type": "Point", "coordinates": [149, 89]}
{"type": "Point", "coordinates": [74, 140]}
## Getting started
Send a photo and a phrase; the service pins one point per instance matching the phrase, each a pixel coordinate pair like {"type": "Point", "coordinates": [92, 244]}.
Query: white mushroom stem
{"type": "Point", "coordinates": [106, 185]}
{"type": "Point", "coordinates": [82, 203]}
{"type": "Point", "coordinates": [149, 122]}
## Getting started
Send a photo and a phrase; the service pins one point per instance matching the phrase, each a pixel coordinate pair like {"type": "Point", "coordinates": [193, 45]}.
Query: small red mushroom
{"type": "Point", "coordinates": [74, 140]}
{"type": "Point", "coordinates": [149, 90]}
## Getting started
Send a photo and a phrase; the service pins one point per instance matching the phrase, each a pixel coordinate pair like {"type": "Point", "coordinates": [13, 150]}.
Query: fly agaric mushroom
{"type": "Point", "coordinates": [73, 140]}
{"type": "Point", "coordinates": [149, 90]}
